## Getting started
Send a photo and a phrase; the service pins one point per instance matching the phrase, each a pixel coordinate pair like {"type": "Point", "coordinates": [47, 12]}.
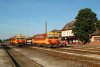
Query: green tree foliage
{"type": "Point", "coordinates": [85, 24]}
{"type": "Point", "coordinates": [98, 24]}
{"type": "Point", "coordinates": [0, 40]}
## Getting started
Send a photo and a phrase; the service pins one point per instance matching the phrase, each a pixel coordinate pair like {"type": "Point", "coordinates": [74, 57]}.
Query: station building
{"type": "Point", "coordinates": [67, 35]}
{"type": "Point", "coordinates": [95, 39]}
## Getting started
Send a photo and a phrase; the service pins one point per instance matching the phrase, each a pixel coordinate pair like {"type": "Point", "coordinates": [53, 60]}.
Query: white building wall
{"type": "Point", "coordinates": [95, 39]}
{"type": "Point", "coordinates": [67, 33]}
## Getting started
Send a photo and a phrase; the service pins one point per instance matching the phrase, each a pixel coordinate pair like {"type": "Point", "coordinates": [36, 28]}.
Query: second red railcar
{"type": "Point", "coordinates": [50, 40]}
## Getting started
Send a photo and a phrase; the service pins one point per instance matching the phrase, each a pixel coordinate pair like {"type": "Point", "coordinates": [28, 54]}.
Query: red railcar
{"type": "Point", "coordinates": [46, 40]}
{"type": "Point", "coordinates": [17, 40]}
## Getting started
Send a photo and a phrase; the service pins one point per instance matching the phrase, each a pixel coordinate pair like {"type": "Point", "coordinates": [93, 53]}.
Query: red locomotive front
{"type": "Point", "coordinates": [49, 40]}
{"type": "Point", "coordinates": [18, 40]}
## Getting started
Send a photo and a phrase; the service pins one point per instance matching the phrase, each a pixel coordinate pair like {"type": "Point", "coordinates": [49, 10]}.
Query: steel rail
{"type": "Point", "coordinates": [14, 62]}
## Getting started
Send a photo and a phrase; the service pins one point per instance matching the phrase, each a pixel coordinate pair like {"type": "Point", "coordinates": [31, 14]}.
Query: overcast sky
{"type": "Point", "coordinates": [28, 17]}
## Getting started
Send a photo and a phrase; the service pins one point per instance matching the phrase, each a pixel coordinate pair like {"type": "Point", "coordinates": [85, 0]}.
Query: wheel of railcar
{"type": "Point", "coordinates": [49, 45]}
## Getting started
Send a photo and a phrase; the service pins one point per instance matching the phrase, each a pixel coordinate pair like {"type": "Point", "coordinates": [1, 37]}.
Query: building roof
{"type": "Point", "coordinates": [97, 32]}
{"type": "Point", "coordinates": [68, 26]}
{"type": "Point", "coordinates": [55, 30]}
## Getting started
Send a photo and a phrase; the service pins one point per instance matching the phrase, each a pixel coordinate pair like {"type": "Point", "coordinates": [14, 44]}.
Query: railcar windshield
{"type": "Point", "coordinates": [40, 37]}
{"type": "Point", "coordinates": [20, 38]}
{"type": "Point", "coordinates": [53, 36]}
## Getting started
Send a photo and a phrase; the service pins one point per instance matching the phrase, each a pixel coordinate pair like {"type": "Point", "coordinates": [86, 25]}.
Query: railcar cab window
{"type": "Point", "coordinates": [53, 36]}
{"type": "Point", "coordinates": [20, 38]}
{"type": "Point", "coordinates": [39, 37]}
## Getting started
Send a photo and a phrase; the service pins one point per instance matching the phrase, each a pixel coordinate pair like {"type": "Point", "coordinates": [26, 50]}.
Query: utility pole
{"type": "Point", "coordinates": [46, 27]}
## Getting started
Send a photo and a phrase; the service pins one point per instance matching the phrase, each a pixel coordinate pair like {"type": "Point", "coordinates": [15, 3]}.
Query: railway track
{"type": "Point", "coordinates": [91, 60]}
{"type": "Point", "coordinates": [91, 50]}
{"type": "Point", "coordinates": [86, 51]}
{"type": "Point", "coordinates": [5, 60]}
{"type": "Point", "coordinates": [81, 51]}
{"type": "Point", "coordinates": [76, 52]}
{"type": "Point", "coordinates": [13, 61]}
{"type": "Point", "coordinates": [19, 60]}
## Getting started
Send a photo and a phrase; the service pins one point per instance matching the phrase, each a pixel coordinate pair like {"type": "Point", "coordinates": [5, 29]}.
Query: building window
{"type": "Point", "coordinates": [97, 39]}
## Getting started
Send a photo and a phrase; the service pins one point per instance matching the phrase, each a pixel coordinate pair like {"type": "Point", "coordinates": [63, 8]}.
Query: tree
{"type": "Point", "coordinates": [98, 24]}
{"type": "Point", "coordinates": [84, 25]}
{"type": "Point", "coordinates": [0, 40]}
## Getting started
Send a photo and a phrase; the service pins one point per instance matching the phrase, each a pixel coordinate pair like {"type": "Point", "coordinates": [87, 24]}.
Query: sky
{"type": "Point", "coordinates": [28, 17]}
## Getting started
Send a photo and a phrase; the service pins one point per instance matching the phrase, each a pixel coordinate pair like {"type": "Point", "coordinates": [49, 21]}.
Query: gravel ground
{"type": "Point", "coordinates": [50, 59]}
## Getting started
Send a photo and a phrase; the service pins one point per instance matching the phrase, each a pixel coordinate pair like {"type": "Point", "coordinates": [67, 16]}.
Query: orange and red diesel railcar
{"type": "Point", "coordinates": [17, 40]}
{"type": "Point", "coordinates": [49, 40]}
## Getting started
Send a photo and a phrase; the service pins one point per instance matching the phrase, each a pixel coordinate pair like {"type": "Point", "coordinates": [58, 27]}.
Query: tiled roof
{"type": "Point", "coordinates": [55, 30]}
{"type": "Point", "coordinates": [97, 32]}
{"type": "Point", "coordinates": [68, 26]}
